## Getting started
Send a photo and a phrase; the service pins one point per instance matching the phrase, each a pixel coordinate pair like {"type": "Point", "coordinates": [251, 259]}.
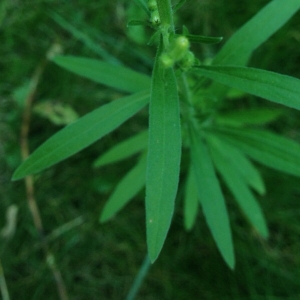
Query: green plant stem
{"type": "Point", "coordinates": [139, 279]}
{"type": "Point", "coordinates": [166, 19]}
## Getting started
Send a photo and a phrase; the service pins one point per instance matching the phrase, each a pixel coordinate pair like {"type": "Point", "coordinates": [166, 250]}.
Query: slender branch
{"type": "Point", "coordinates": [29, 183]}
{"type": "Point", "coordinates": [3, 286]}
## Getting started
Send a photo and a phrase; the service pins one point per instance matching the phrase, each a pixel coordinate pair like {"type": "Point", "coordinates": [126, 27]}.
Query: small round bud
{"type": "Point", "coordinates": [155, 20]}
{"type": "Point", "coordinates": [152, 5]}
{"type": "Point", "coordinates": [166, 60]}
{"type": "Point", "coordinates": [187, 61]}
{"type": "Point", "coordinates": [179, 47]}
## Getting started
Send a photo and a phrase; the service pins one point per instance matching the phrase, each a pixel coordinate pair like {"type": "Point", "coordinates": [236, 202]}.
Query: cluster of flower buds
{"type": "Point", "coordinates": [179, 53]}
{"type": "Point", "coordinates": [154, 15]}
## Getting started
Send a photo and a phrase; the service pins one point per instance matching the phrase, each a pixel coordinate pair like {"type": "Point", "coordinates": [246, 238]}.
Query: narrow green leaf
{"type": "Point", "coordinates": [143, 5]}
{"type": "Point", "coordinates": [272, 86]}
{"type": "Point", "coordinates": [82, 133]}
{"type": "Point", "coordinates": [241, 163]}
{"type": "Point", "coordinates": [201, 39]}
{"type": "Point", "coordinates": [191, 202]}
{"type": "Point", "coordinates": [265, 147]}
{"type": "Point", "coordinates": [239, 189]}
{"type": "Point", "coordinates": [164, 154]}
{"type": "Point", "coordinates": [256, 31]}
{"type": "Point", "coordinates": [126, 189]}
{"type": "Point", "coordinates": [123, 150]}
{"type": "Point", "coordinates": [211, 198]}
{"type": "Point", "coordinates": [118, 77]}
{"type": "Point", "coordinates": [252, 116]}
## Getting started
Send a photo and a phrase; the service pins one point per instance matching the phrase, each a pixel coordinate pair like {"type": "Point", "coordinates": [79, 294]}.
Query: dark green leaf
{"type": "Point", "coordinates": [164, 154]}
{"type": "Point", "coordinates": [265, 147]}
{"type": "Point", "coordinates": [191, 203]}
{"type": "Point", "coordinates": [114, 76]}
{"type": "Point", "coordinates": [126, 189]}
{"type": "Point", "coordinates": [123, 150]}
{"type": "Point", "coordinates": [275, 87]}
{"type": "Point", "coordinates": [211, 198]}
{"type": "Point", "coordinates": [82, 133]}
{"type": "Point", "coordinates": [239, 189]}
{"type": "Point", "coordinates": [201, 39]}
{"type": "Point", "coordinates": [143, 5]}
{"type": "Point", "coordinates": [136, 23]}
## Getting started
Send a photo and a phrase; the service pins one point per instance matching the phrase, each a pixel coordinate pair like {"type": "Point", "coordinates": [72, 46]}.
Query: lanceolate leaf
{"type": "Point", "coordinates": [124, 149]}
{"type": "Point", "coordinates": [127, 188]}
{"type": "Point", "coordinates": [211, 198]}
{"type": "Point", "coordinates": [164, 152]}
{"type": "Point", "coordinates": [241, 163]}
{"type": "Point", "coordinates": [82, 133]}
{"type": "Point", "coordinates": [118, 77]}
{"type": "Point", "coordinates": [265, 147]}
{"type": "Point", "coordinates": [275, 87]}
{"type": "Point", "coordinates": [239, 189]}
{"type": "Point", "coordinates": [191, 202]}
{"type": "Point", "coordinates": [240, 46]}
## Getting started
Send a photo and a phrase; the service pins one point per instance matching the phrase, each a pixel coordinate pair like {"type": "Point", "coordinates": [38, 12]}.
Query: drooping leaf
{"type": "Point", "coordinates": [253, 116]}
{"type": "Point", "coordinates": [211, 198]}
{"type": "Point", "coordinates": [82, 133]}
{"type": "Point", "coordinates": [239, 189]}
{"type": "Point", "coordinates": [126, 189]}
{"type": "Point", "coordinates": [191, 202]}
{"type": "Point", "coordinates": [240, 162]}
{"type": "Point", "coordinates": [124, 149]}
{"type": "Point", "coordinates": [265, 147]}
{"type": "Point", "coordinates": [164, 152]}
{"type": "Point", "coordinates": [272, 86]}
{"type": "Point", "coordinates": [118, 77]}
{"type": "Point", "coordinates": [256, 31]}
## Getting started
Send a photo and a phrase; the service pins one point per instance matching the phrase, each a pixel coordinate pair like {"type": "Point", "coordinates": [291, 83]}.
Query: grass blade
{"type": "Point", "coordinates": [118, 77]}
{"type": "Point", "coordinates": [272, 86]}
{"type": "Point", "coordinates": [265, 147]}
{"type": "Point", "coordinates": [126, 189]}
{"type": "Point", "coordinates": [239, 189]}
{"type": "Point", "coordinates": [211, 198]}
{"type": "Point", "coordinates": [164, 152]}
{"type": "Point", "coordinates": [123, 150]}
{"type": "Point", "coordinates": [82, 133]}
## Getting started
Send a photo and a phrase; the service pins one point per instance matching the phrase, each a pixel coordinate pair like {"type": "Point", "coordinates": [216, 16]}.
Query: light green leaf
{"type": "Point", "coordinates": [118, 77]}
{"type": "Point", "coordinates": [126, 189]}
{"type": "Point", "coordinates": [256, 31]}
{"type": "Point", "coordinates": [123, 150]}
{"type": "Point", "coordinates": [191, 203]}
{"type": "Point", "coordinates": [164, 152]}
{"type": "Point", "coordinates": [272, 86]}
{"type": "Point", "coordinates": [252, 116]}
{"type": "Point", "coordinates": [211, 198]}
{"type": "Point", "coordinates": [241, 163]}
{"type": "Point", "coordinates": [265, 147]}
{"type": "Point", "coordinates": [239, 189]}
{"type": "Point", "coordinates": [82, 133]}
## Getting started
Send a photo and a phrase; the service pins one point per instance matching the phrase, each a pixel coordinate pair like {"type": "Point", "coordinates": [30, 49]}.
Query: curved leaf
{"type": "Point", "coordinates": [123, 150]}
{"type": "Point", "coordinates": [239, 189]}
{"type": "Point", "coordinates": [211, 198]}
{"type": "Point", "coordinates": [272, 86]}
{"type": "Point", "coordinates": [164, 152]}
{"type": "Point", "coordinates": [82, 133]}
{"type": "Point", "coordinates": [265, 147]}
{"type": "Point", "coordinates": [118, 77]}
{"type": "Point", "coordinates": [126, 189]}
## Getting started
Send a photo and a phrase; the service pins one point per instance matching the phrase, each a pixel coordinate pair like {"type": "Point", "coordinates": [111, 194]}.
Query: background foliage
{"type": "Point", "coordinates": [100, 261]}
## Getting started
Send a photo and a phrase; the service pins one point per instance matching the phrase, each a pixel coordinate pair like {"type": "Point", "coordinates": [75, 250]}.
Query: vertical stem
{"type": "Point", "coordinates": [29, 184]}
{"type": "Point", "coordinates": [3, 286]}
{"type": "Point", "coordinates": [166, 19]}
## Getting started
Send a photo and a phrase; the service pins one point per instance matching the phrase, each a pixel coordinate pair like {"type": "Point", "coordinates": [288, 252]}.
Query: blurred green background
{"type": "Point", "coordinates": [100, 261]}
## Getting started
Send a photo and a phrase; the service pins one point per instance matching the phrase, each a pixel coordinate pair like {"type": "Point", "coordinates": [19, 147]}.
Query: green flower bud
{"type": "Point", "coordinates": [187, 61]}
{"type": "Point", "coordinates": [179, 48]}
{"type": "Point", "coordinates": [166, 60]}
{"type": "Point", "coordinates": [152, 5]}
{"type": "Point", "coordinates": [155, 20]}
